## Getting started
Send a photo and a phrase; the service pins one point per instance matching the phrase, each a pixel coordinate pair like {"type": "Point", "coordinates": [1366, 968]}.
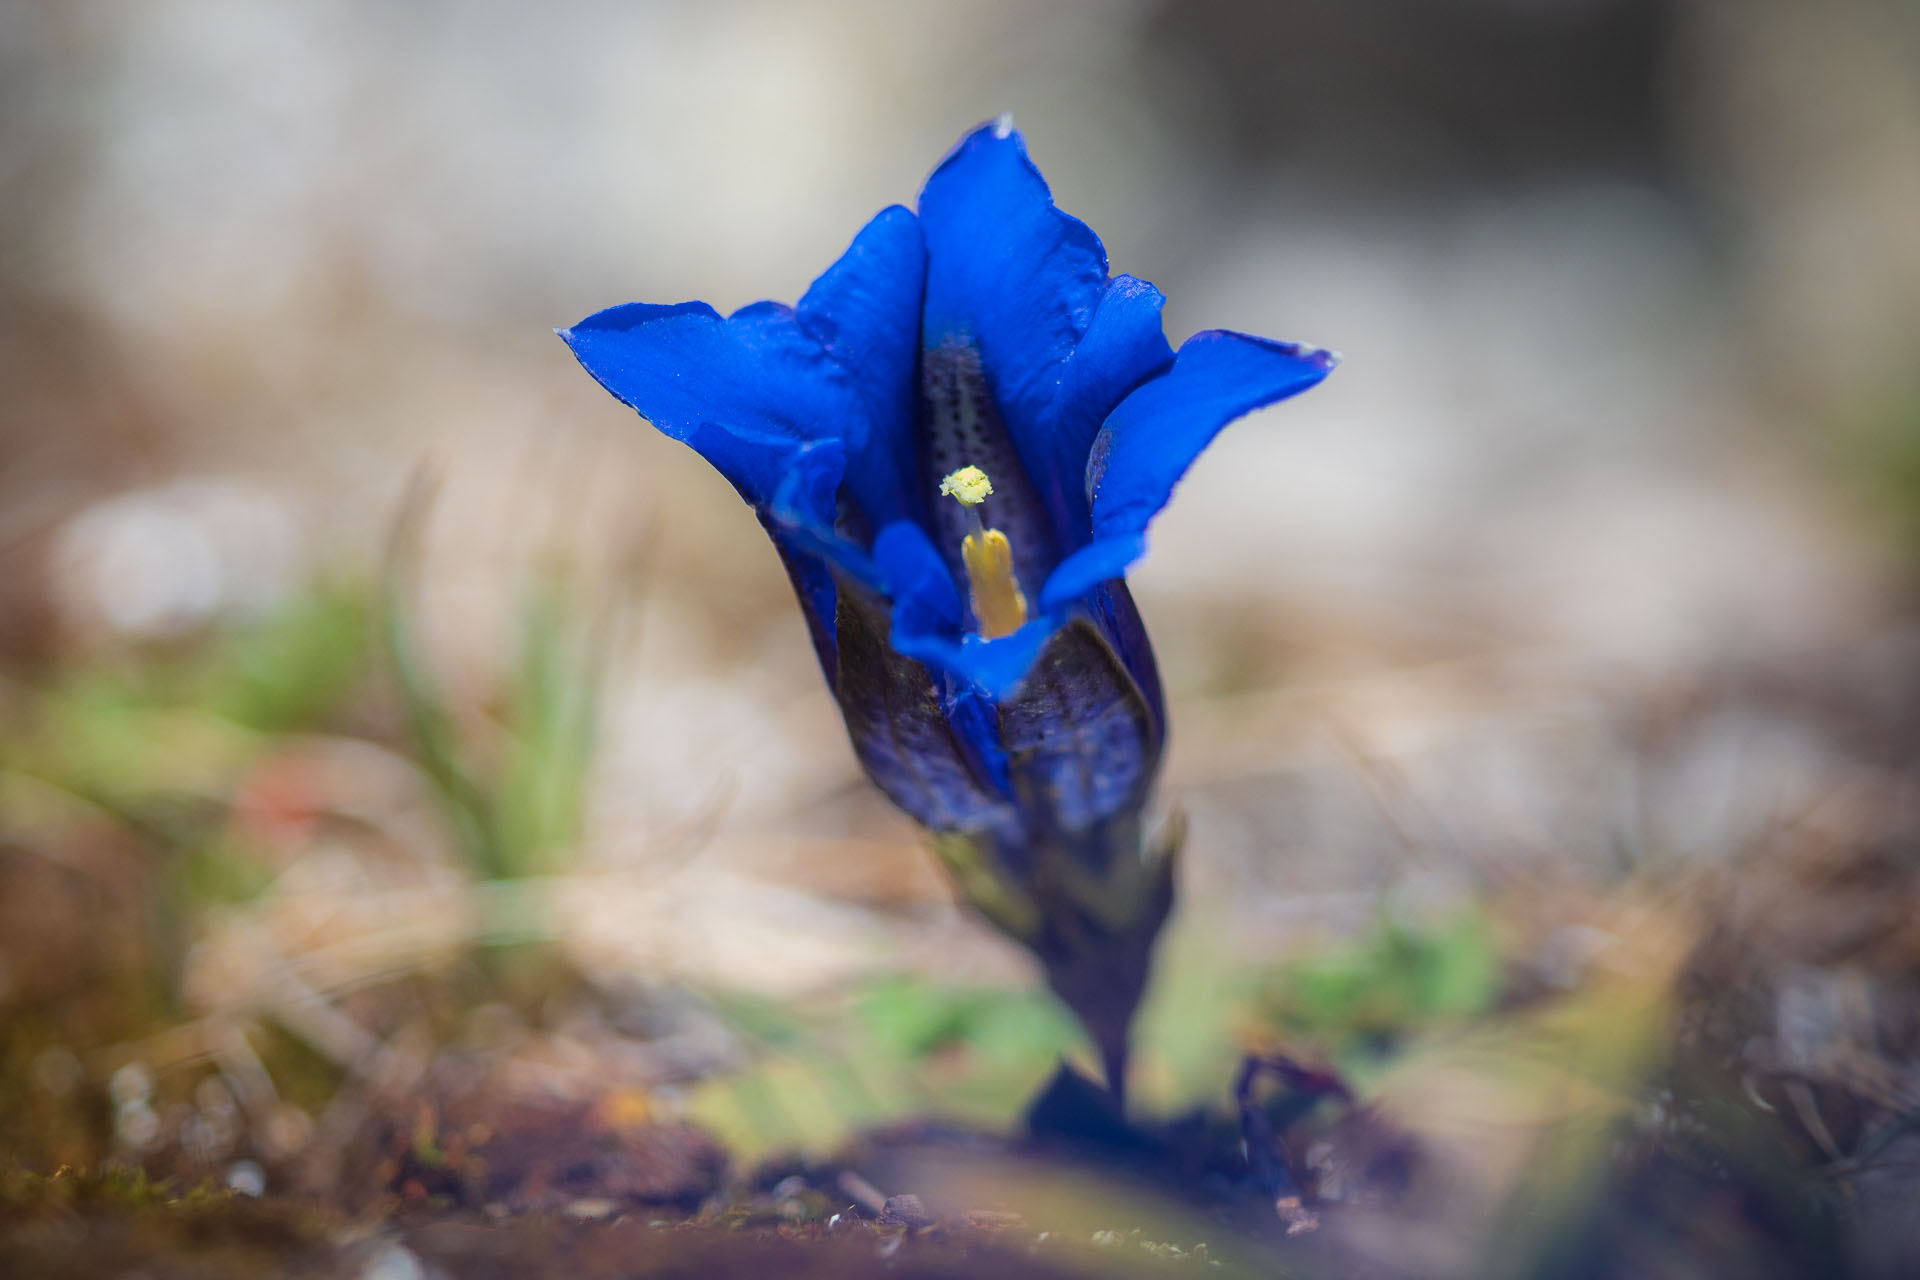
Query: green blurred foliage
{"type": "Point", "coordinates": [904, 1046]}
{"type": "Point", "coordinates": [157, 744]}
{"type": "Point", "coordinates": [296, 669]}
{"type": "Point", "coordinates": [187, 720]}
{"type": "Point", "coordinates": [551, 727]}
{"type": "Point", "coordinates": [1345, 1002]}
{"type": "Point", "coordinates": [514, 804]}
{"type": "Point", "coordinates": [901, 1046]}
{"type": "Point", "coordinates": [1356, 1000]}
{"type": "Point", "coordinates": [915, 1020]}
{"type": "Point", "coordinates": [161, 744]}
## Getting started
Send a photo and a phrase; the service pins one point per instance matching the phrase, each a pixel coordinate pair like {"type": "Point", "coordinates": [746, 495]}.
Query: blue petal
{"type": "Point", "coordinates": [759, 400]}
{"type": "Point", "coordinates": [1149, 442]}
{"type": "Point", "coordinates": [1122, 347]}
{"type": "Point", "coordinates": [864, 312]}
{"type": "Point", "coordinates": [916, 579]}
{"type": "Point", "coordinates": [995, 667]}
{"type": "Point", "coordinates": [809, 480]}
{"type": "Point", "coordinates": [784, 402]}
{"type": "Point", "coordinates": [803, 509]}
{"type": "Point", "coordinates": [1013, 277]}
{"type": "Point", "coordinates": [1090, 566]}
{"type": "Point", "coordinates": [839, 366]}
{"type": "Point", "coordinates": [1006, 268]}
{"type": "Point", "coordinates": [744, 392]}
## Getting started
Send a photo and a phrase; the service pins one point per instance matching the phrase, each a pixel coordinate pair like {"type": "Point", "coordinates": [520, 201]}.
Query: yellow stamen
{"type": "Point", "coordinates": [999, 608]}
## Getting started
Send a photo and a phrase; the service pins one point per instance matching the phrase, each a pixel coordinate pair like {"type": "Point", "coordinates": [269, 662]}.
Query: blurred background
{"type": "Point", "coordinates": [374, 683]}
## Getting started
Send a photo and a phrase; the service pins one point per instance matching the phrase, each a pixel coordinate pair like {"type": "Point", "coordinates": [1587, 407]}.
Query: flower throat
{"type": "Point", "coordinates": [966, 443]}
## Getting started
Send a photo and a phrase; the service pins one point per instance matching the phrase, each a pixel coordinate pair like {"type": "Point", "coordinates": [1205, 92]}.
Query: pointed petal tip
{"type": "Point", "coordinates": [1327, 358]}
{"type": "Point", "coordinates": [1323, 357]}
{"type": "Point", "coordinates": [892, 214]}
{"type": "Point", "coordinates": [995, 134]}
{"type": "Point", "coordinates": [1126, 284]}
{"type": "Point", "coordinates": [1158, 431]}
{"type": "Point", "coordinates": [631, 315]}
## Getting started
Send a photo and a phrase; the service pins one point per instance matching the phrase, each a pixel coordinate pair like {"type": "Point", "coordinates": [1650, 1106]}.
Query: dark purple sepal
{"type": "Point", "coordinates": [900, 729]}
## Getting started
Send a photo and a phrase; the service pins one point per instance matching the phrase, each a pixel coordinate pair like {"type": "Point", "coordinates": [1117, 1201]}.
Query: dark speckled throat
{"type": "Point", "coordinates": [962, 427]}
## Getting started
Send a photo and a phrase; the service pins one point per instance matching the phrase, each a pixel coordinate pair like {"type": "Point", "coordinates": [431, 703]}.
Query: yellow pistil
{"type": "Point", "coordinates": [999, 608]}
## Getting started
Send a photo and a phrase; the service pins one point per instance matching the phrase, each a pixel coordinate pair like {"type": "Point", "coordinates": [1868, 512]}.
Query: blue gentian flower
{"type": "Point", "coordinates": [956, 441]}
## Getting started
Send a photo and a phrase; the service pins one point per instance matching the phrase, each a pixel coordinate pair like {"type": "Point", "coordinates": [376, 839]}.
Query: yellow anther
{"type": "Point", "coordinates": [968, 486]}
{"type": "Point", "coordinates": [998, 606]}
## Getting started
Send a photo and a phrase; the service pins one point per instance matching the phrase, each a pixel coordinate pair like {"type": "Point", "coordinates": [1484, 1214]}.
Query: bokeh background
{"type": "Point", "coordinates": [1586, 581]}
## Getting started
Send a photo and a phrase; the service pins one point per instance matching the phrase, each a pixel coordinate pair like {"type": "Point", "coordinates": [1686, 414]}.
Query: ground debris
{"type": "Point", "coordinates": [467, 1140]}
{"type": "Point", "coordinates": [904, 1211]}
{"type": "Point", "coordinates": [278, 1238]}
